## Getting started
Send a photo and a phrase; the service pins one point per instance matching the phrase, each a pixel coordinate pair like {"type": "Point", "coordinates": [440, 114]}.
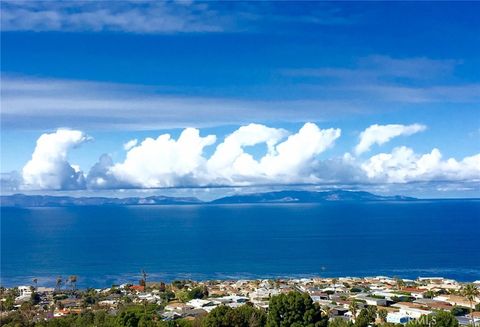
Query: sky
{"type": "Point", "coordinates": [217, 97]}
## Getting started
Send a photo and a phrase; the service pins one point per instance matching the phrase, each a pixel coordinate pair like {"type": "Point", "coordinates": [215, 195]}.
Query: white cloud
{"type": "Point", "coordinates": [157, 17]}
{"type": "Point", "coordinates": [287, 158]}
{"type": "Point", "coordinates": [164, 162]}
{"type": "Point", "coordinates": [96, 16]}
{"type": "Point", "coordinates": [380, 134]}
{"type": "Point", "coordinates": [291, 157]}
{"type": "Point", "coordinates": [230, 159]}
{"type": "Point", "coordinates": [33, 103]}
{"type": "Point", "coordinates": [130, 144]}
{"type": "Point", "coordinates": [49, 168]}
{"type": "Point", "coordinates": [284, 162]}
{"type": "Point", "coordinates": [403, 165]}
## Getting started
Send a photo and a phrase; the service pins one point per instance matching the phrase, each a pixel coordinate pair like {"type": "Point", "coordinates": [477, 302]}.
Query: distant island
{"type": "Point", "coordinates": [22, 200]}
{"type": "Point", "coordinates": [308, 197]}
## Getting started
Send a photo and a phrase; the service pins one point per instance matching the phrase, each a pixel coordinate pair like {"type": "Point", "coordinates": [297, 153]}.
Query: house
{"type": "Point", "coordinates": [397, 318]}
{"type": "Point", "coordinates": [456, 300]}
{"type": "Point", "coordinates": [25, 294]}
{"type": "Point", "coordinates": [435, 305]}
{"type": "Point", "coordinates": [415, 292]}
{"type": "Point", "coordinates": [372, 300]}
{"type": "Point", "coordinates": [170, 315]}
{"type": "Point", "coordinates": [230, 299]}
{"type": "Point", "coordinates": [193, 313]}
{"type": "Point", "coordinates": [207, 305]}
{"type": "Point", "coordinates": [177, 306]}
{"type": "Point", "coordinates": [137, 288]}
{"type": "Point", "coordinates": [60, 312]}
{"type": "Point", "coordinates": [412, 310]}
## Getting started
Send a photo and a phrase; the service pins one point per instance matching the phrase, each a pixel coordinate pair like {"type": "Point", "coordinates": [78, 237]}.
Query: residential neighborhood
{"type": "Point", "coordinates": [394, 300]}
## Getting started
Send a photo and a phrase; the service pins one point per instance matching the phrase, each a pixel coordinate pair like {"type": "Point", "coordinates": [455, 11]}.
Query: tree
{"type": "Point", "coordinates": [218, 317]}
{"type": "Point", "coordinates": [35, 281]}
{"type": "Point", "coordinates": [470, 291]}
{"type": "Point", "coordinates": [9, 303]}
{"type": "Point", "coordinates": [198, 292]}
{"type": "Point", "coordinates": [178, 284]}
{"type": "Point", "coordinates": [34, 298]}
{"type": "Point", "coordinates": [366, 317]}
{"type": "Point", "coordinates": [445, 319]}
{"type": "Point", "coordinates": [326, 310]}
{"type": "Point", "coordinates": [458, 311]}
{"type": "Point", "coordinates": [382, 314]}
{"type": "Point", "coordinates": [353, 307]}
{"type": "Point", "coordinates": [183, 296]}
{"type": "Point", "coordinates": [429, 294]}
{"type": "Point", "coordinates": [400, 283]}
{"type": "Point", "coordinates": [58, 283]}
{"type": "Point", "coordinates": [144, 276]}
{"type": "Point", "coordinates": [339, 322]}
{"type": "Point", "coordinates": [247, 316]}
{"type": "Point", "coordinates": [128, 319]}
{"type": "Point", "coordinates": [167, 296]}
{"type": "Point", "coordinates": [73, 282]}
{"type": "Point", "coordinates": [294, 309]}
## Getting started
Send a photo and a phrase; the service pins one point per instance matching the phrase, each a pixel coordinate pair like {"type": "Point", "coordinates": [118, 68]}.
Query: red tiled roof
{"type": "Point", "coordinates": [137, 288]}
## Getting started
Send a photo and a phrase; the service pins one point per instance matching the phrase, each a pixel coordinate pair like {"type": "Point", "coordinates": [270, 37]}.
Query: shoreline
{"type": "Point", "coordinates": [185, 277]}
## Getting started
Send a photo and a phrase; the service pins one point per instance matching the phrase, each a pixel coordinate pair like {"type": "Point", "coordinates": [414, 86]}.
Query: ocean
{"type": "Point", "coordinates": [107, 245]}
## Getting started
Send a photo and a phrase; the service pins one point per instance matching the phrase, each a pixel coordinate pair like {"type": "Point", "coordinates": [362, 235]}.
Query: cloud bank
{"type": "Point", "coordinates": [289, 158]}
{"type": "Point", "coordinates": [403, 165]}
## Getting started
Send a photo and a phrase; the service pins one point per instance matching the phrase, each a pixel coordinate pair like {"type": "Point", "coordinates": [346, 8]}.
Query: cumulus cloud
{"type": "Point", "coordinates": [10, 182]}
{"type": "Point", "coordinates": [284, 162]}
{"type": "Point", "coordinates": [49, 168]}
{"type": "Point", "coordinates": [404, 165]}
{"type": "Point", "coordinates": [293, 156]}
{"type": "Point", "coordinates": [380, 134]}
{"type": "Point", "coordinates": [130, 144]}
{"type": "Point", "coordinates": [100, 177]}
{"type": "Point", "coordinates": [230, 160]}
{"type": "Point", "coordinates": [164, 162]}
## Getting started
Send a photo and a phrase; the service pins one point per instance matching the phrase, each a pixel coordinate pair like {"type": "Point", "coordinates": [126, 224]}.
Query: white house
{"type": "Point", "coordinates": [25, 294]}
{"type": "Point", "coordinates": [397, 318]}
{"type": "Point", "coordinates": [412, 310]}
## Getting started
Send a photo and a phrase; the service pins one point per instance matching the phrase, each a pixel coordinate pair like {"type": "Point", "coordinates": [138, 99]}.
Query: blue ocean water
{"type": "Point", "coordinates": [106, 245]}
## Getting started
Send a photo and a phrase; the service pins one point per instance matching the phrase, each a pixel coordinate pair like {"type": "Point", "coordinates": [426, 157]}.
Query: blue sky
{"type": "Point", "coordinates": [135, 70]}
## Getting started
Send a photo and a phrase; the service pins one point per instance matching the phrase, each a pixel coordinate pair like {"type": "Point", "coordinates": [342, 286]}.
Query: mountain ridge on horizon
{"type": "Point", "coordinates": [286, 196]}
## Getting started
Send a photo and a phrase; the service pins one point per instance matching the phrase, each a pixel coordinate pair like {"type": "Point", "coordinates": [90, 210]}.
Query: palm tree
{"type": "Point", "coordinates": [73, 282]}
{"type": "Point", "coordinates": [326, 310]}
{"type": "Point", "coordinates": [382, 314]}
{"type": "Point", "coordinates": [353, 308]}
{"type": "Point", "coordinates": [470, 291]}
{"type": "Point", "coordinates": [35, 281]}
{"type": "Point", "coordinates": [58, 284]}
{"type": "Point", "coordinates": [144, 274]}
{"type": "Point", "coordinates": [400, 283]}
